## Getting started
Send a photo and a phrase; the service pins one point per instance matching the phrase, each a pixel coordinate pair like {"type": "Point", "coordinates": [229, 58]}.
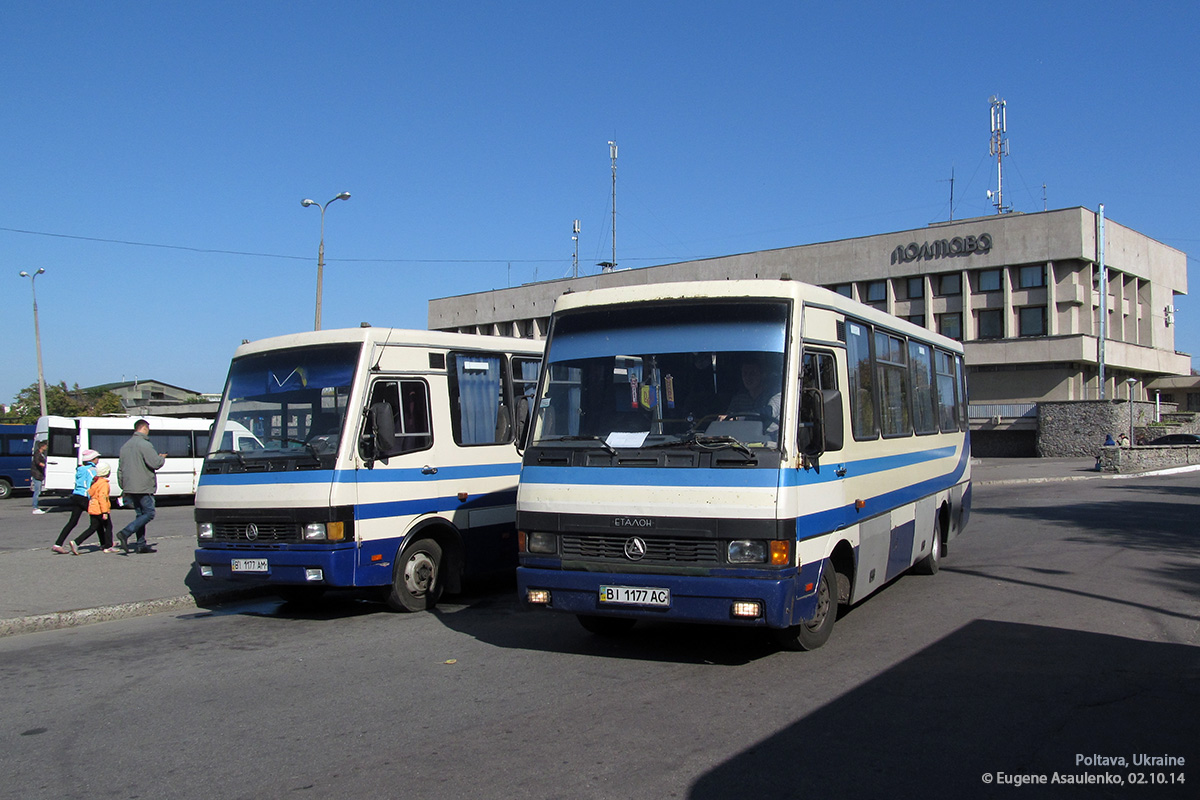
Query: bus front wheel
{"type": "Point", "coordinates": [5, 489]}
{"type": "Point", "coordinates": [417, 580]}
{"type": "Point", "coordinates": [811, 634]}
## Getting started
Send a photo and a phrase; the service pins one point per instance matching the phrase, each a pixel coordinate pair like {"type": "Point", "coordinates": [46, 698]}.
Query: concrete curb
{"type": "Point", "coordinates": [58, 620]}
{"type": "Point", "coordinates": [1097, 476]}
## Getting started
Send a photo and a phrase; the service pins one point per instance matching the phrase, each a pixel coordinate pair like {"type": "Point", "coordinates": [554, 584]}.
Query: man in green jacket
{"type": "Point", "coordinates": [139, 462]}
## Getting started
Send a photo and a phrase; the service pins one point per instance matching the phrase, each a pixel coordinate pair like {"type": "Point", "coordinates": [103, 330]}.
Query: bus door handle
{"type": "Point", "coordinates": [840, 472]}
{"type": "Point", "coordinates": [428, 470]}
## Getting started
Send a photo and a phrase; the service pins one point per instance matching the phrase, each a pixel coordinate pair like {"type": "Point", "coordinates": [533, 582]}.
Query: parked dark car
{"type": "Point", "coordinates": [1178, 438]}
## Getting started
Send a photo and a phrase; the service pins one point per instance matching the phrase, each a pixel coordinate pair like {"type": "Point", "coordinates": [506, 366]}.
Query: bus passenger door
{"type": "Point", "coordinates": [397, 478]}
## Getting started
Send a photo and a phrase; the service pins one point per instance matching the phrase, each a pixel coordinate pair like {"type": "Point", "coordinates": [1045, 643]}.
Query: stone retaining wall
{"type": "Point", "coordinates": [1146, 458]}
{"type": "Point", "coordinates": [1077, 428]}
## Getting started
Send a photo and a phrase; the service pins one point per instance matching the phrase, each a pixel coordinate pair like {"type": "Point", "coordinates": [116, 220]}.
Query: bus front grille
{"type": "Point", "coordinates": [658, 550]}
{"type": "Point", "coordinates": [256, 533]}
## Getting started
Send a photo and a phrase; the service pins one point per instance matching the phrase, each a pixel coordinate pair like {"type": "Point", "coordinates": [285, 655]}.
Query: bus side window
{"type": "Point", "coordinates": [397, 420]}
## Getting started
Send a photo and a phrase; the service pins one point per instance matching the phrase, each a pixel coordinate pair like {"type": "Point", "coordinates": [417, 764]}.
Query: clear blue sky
{"type": "Point", "coordinates": [471, 134]}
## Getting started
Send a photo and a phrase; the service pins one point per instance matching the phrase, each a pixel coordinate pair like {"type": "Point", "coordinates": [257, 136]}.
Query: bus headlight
{"type": "Point", "coordinates": [747, 551]}
{"type": "Point", "coordinates": [325, 532]}
{"type": "Point", "coordinates": [204, 530]}
{"type": "Point", "coordinates": [541, 542]}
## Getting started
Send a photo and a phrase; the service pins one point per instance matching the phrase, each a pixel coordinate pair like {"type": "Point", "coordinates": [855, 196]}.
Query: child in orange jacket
{"type": "Point", "coordinates": [99, 508]}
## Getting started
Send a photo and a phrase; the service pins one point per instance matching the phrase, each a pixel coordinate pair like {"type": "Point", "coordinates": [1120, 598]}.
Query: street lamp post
{"type": "Point", "coordinates": [321, 250]}
{"type": "Point", "coordinates": [1130, 382]}
{"type": "Point", "coordinates": [37, 337]}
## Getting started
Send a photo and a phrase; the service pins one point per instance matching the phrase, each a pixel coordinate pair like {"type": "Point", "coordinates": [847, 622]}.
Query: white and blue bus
{"type": "Point", "coordinates": [388, 459]}
{"type": "Point", "coordinates": [743, 452]}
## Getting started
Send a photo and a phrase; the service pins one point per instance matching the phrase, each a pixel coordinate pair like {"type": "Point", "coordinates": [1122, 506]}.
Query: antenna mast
{"type": "Point", "coordinates": [575, 260]}
{"type": "Point", "coordinates": [998, 146]}
{"type": "Point", "coordinates": [609, 266]}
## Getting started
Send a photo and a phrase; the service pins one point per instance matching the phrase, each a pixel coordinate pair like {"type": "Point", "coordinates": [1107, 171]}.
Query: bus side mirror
{"type": "Point", "coordinates": [833, 429]}
{"type": "Point", "coordinates": [379, 437]}
{"type": "Point", "coordinates": [820, 421]}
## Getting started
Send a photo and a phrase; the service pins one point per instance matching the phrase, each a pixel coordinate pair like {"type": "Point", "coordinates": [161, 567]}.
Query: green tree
{"type": "Point", "coordinates": [64, 402]}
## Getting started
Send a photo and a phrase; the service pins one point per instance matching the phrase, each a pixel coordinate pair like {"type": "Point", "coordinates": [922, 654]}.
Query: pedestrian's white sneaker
{"type": "Point", "coordinates": [39, 511]}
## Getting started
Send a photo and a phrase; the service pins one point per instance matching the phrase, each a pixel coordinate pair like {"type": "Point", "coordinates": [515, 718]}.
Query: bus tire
{"type": "Point", "coordinates": [606, 626]}
{"type": "Point", "coordinates": [417, 579]}
{"type": "Point", "coordinates": [811, 634]}
{"type": "Point", "coordinates": [930, 563]}
{"type": "Point", "coordinates": [5, 489]}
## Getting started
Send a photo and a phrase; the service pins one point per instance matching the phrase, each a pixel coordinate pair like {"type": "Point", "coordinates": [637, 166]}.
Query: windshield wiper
{"type": "Point", "coordinates": [707, 443]}
{"type": "Point", "coordinates": [312, 448]}
{"type": "Point", "coordinates": [603, 443]}
{"type": "Point", "coordinates": [241, 459]}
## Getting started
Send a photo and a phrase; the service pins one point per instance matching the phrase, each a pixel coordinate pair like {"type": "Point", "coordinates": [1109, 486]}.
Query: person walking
{"type": "Point", "coordinates": [84, 474]}
{"type": "Point", "coordinates": [138, 463]}
{"type": "Point", "coordinates": [37, 474]}
{"type": "Point", "coordinates": [99, 508]}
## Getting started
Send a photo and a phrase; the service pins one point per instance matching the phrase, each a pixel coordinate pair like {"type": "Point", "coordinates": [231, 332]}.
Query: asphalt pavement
{"type": "Point", "coordinates": [42, 590]}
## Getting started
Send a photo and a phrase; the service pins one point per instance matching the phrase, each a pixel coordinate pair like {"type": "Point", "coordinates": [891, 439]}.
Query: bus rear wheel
{"type": "Point", "coordinates": [930, 563]}
{"type": "Point", "coordinates": [5, 489]}
{"type": "Point", "coordinates": [811, 634]}
{"type": "Point", "coordinates": [417, 579]}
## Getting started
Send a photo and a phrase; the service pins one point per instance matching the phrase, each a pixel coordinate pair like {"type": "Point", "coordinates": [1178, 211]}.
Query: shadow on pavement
{"type": "Point", "coordinates": [991, 697]}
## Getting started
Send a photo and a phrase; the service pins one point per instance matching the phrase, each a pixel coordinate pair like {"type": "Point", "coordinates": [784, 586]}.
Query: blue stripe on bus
{"type": "Point", "coordinates": [833, 519]}
{"type": "Point", "coordinates": [433, 505]}
{"type": "Point", "coordinates": [412, 474]}
{"type": "Point", "coordinates": [728, 478]}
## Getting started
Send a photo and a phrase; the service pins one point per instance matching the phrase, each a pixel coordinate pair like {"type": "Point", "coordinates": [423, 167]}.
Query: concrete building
{"type": "Point", "coordinates": [1020, 290]}
{"type": "Point", "coordinates": [151, 397]}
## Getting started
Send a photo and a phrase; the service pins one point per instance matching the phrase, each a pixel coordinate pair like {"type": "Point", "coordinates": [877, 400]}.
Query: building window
{"type": "Point", "coordinates": [1032, 321]}
{"type": "Point", "coordinates": [989, 280]}
{"type": "Point", "coordinates": [916, 288]}
{"type": "Point", "coordinates": [949, 284]}
{"type": "Point", "coordinates": [950, 325]}
{"type": "Point", "coordinates": [991, 324]}
{"type": "Point", "coordinates": [845, 289]}
{"type": "Point", "coordinates": [877, 292]}
{"type": "Point", "coordinates": [1193, 401]}
{"type": "Point", "coordinates": [916, 319]}
{"type": "Point", "coordinates": [1032, 277]}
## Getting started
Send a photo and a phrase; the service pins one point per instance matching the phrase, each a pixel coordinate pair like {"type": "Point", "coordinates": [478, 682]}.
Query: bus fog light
{"type": "Point", "coordinates": [538, 597]}
{"type": "Point", "coordinates": [747, 609]}
{"type": "Point", "coordinates": [747, 551]}
{"type": "Point", "coordinates": [541, 542]}
{"type": "Point", "coordinates": [314, 532]}
{"type": "Point", "coordinates": [206, 571]}
{"type": "Point", "coordinates": [314, 574]}
{"type": "Point", "coordinates": [204, 530]}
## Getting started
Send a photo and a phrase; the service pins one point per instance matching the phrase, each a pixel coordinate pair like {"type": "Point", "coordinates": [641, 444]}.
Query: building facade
{"type": "Point", "coordinates": [1020, 290]}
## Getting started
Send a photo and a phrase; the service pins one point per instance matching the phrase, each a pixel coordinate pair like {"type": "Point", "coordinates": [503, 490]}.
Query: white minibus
{"type": "Point", "coordinates": [388, 460]}
{"type": "Point", "coordinates": [739, 452]}
{"type": "Point", "coordinates": [184, 440]}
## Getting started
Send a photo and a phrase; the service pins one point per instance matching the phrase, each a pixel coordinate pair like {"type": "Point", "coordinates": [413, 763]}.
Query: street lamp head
{"type": "Point", "coordinates": [41, 271]}
{"type": "Point", "coordinates": [24, 274]}
{"type": "Point", "coordinates": [306, 202]}
{"type": "Point", "coordinates": [343, 196]}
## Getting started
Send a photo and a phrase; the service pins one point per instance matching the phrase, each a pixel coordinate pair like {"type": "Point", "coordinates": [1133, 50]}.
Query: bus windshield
{"type": "Point", "coordinates": [670, 373]}
{"type": "Point", "coordinates": [286, 404]}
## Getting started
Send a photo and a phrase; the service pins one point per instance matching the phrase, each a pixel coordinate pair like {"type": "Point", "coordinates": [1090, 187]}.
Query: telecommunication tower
{"type": "Point", "coordinates": [998, 147]}
{"type": "Point", "coordinates": [609, 266]}
{"type": "Point", "coordinates": [575, 259]}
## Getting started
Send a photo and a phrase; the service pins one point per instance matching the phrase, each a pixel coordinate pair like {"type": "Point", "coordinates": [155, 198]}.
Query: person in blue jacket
{"type": "Point", "coordinates": [85, 473]}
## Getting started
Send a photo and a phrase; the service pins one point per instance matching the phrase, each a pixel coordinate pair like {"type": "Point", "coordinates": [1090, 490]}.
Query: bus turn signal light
{"type": "Point", "coordinates": [781, 552]}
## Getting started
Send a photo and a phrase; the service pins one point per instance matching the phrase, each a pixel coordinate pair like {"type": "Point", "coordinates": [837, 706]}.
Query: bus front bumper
{"type": "Point", "coordinates": [316, 566]}
{"type": "Point", "coordinates": [782, 598]}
